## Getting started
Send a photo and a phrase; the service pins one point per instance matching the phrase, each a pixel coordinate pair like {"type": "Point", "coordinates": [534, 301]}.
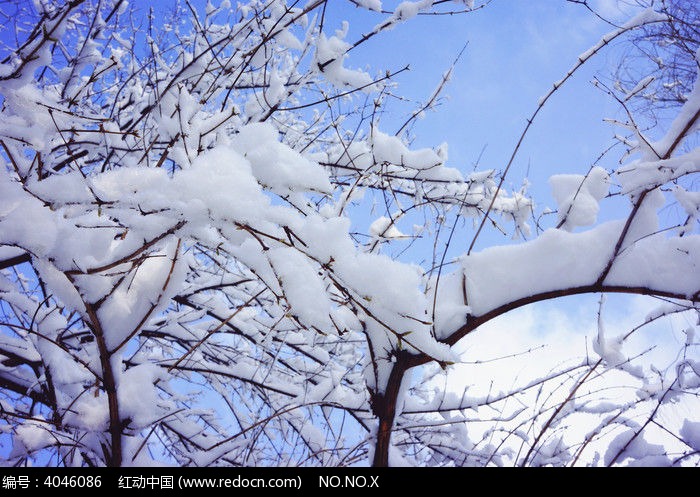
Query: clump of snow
{"type": "Point", "coordinates": [636, 448]}
{"type": "Point", "coordinates": [302, 287]}
{"type": "Point", "coordinates": [610, 350]}
{"type": "Point", "coordinates": [138, 396]}
{"type": "Point", "coordinates": [375, 5]}
{"type": "Point", "coordinates": [384, 227]}
{"type": "Point", "coordinates": [34, 435]}
{"type": "Point", "coordinates": [690, 201]}
{"type": "Point", "coordinates": [552, 453]}
{"type": "Point", "coordinates": [392, 150]}
{"type": "Point", "coordinates": [578, 196]}
{"type": "Point", "coordinates": [407, 10]}
{"type": "Point", "coordinates": [690, 432]}
{"type": "Point", "coordinates": [275, 165]}
{"type": "Point", "coordinates": [330, 56]}
{"type": "Point", "coordinates": [90, 412]}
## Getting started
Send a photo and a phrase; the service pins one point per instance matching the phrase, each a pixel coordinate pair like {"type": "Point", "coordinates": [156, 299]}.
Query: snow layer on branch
{"type": "Point", "coordinates": [559, 260]}
{"type": "Point", "coordinates": [382, 154]}
{"type": "Point", "coordinates": [24, 113]}
{"type": "Point", "coordinates": [638, 449]}
{"type": "Point", "coordinates": [407, 10]}
{"type": "Point", "coordinates": [655, 167]}
{"type": "Point", "coordinates": [646, 16]}
{"type": "Point", "coordinates": [375, 5]}
{"type": "Point", "coordinates": [391, 149]}
{"type": "Point", "coordinates": [554, 260]}
{"type": "Point", "coordinates": [9, 252]}
{"type": "Point", "coordinates": [643, 174]}
{"type": "Point", "coordinates": [219, 185]}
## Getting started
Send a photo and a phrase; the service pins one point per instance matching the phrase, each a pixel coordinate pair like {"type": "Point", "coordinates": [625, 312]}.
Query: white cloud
{"type": "Point", "coordinates": [615, 10]}
{"type": "Point", "coordinates": [558, 334]}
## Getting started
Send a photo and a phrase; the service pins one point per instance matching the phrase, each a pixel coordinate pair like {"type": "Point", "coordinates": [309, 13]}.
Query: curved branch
{"type": "Point", "coordinates": [15, 385]}
{"type": "Point", "coordinates": [475, 321]}
{"type": "Point", "coordinates": [14, 261]}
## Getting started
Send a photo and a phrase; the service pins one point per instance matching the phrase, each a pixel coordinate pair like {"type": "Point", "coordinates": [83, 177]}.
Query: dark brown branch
{"type": "Point", "coordinates": [129, 257]}
{"type": "Point", "coordinates": [384, 407]}
{"type": "Point", "coordinates": [208, 371]}
{"type": "Point", "coordinates": [110, 386]}
{"type": "Point", "coordinates": [559, 408]}
{"type": "Point", "coordinates": [476, 321]}
{"type": "Point", "coordinates": [14, 261]}
{"type": "Point", "coordinates": [24, 390]}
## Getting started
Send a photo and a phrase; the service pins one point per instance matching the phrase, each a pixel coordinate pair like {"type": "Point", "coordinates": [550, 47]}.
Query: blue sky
{"type": "Point", "coordinates": [515, 51]}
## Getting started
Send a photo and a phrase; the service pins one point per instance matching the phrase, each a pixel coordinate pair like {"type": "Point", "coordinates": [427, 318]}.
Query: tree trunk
{"type": "Point", "coordinates": [114, 457]}
{"type": "Point", "coordinates": [384, 407]}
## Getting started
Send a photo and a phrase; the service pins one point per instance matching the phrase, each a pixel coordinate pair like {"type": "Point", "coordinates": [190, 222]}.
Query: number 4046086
{"type": "Point", "coordinates": [79, 481]}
